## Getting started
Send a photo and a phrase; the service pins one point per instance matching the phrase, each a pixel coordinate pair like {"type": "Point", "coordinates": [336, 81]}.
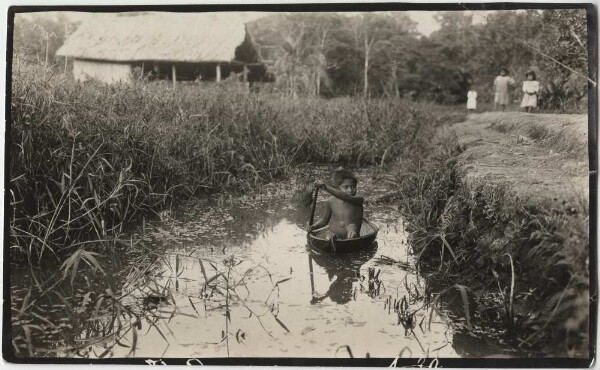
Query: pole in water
{"type": "Point", "coordinates": [313, 207]}
{"type": "Point", "coordinates": [312, 280]}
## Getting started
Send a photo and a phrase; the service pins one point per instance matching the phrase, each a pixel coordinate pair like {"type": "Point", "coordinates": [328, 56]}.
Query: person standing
{"type": "Point", "coordinates": [502, 84]}
{"type": "Point", "coordinates": [531, 89]}
{"type": "Point", "coordinates": [472, 100]}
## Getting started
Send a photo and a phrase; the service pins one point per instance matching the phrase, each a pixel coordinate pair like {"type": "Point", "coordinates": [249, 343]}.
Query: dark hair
{"type": "Point", "coordinates": [504, 69]}
{"type": "Point", "coordinates": [340, 175]}
{"type": "Point", "coordinates": [532, 74]}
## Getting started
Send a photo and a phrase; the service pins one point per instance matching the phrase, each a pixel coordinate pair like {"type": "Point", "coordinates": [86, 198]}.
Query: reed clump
{"type": "Point", "coordinates": [88, 159]}
{"type": "Point", "coordinates": [535, 253]}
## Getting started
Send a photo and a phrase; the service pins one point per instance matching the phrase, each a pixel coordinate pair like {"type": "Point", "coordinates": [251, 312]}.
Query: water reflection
{"type": "Point", "coordinates": [241, 282]}
{"type": "Point", "coordinates": [343, 272]}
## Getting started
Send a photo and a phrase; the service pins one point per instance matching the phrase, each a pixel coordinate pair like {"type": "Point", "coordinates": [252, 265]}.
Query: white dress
{"type": "Point", "coordinates": [472, 100]}
{"type": "Point", "coordinates": [530, 90]}
{"type": "Point", "coordinates": [501, 89]}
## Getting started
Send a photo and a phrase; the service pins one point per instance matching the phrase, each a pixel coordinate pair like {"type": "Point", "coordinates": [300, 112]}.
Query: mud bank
{"type": "Point", "coordinates": [501, 206]}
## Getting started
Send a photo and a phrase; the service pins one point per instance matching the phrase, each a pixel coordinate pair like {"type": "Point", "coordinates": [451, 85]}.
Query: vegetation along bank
{"type": "Point", "coordinates": [499, 207]}
{"type": "Point", "coordinates": [86, 160]}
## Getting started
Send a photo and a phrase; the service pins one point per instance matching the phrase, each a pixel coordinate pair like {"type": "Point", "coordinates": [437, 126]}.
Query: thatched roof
{"type": "Point", "coordinates": [168, 37]}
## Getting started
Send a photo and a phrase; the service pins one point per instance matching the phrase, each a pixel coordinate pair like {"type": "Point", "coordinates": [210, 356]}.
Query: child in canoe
{"type": "Point", "coordinates": [343, 211]}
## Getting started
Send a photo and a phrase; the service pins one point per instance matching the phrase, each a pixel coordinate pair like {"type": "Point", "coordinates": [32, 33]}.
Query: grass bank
{"type": "Point", "coordinates": [525, 262]}
{"type": "Point", "coordinates": [87, 159]}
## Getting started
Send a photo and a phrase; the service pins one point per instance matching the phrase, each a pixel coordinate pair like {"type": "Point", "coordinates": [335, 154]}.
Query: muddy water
{"type": "Point", "coordinates": [236, 278]}
{"type": "Point", "coordinates": [270, 296]}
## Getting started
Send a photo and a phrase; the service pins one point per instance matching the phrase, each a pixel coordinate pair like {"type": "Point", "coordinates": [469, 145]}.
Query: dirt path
{"type": "Point", "coordinates": [539, 156]}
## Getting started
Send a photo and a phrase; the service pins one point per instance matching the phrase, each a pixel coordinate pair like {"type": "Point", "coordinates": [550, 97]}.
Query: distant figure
{"type": "Point", "coordinates": [472, 100]}
{"type": "Point", "coordinates": [155, 73]}
{"type": "Point", "coordinates": [344, 211]}
{"type": "Point", "coordinates": [501, 89]}
{"type": "Point", "coordinates": [531, 89]}
{"type": "Point", "coordinates": [232, 76]}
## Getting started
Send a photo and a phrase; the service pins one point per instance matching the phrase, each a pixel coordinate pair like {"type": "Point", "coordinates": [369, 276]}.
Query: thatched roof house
{"type": "Point", "coordinates": [177, 46]}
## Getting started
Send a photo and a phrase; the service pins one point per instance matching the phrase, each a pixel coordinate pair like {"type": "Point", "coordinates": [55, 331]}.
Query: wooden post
{"type": "Point", "coordinates": [174, 72]}
{"type": "Point", "coordinates": [142, 72]}
{"type": "Point", "coordinates": [65, 70]}
{"type": "Point", "coordinates": [245, 74]}
{"type": "Point", "coordinates": [218, 72]}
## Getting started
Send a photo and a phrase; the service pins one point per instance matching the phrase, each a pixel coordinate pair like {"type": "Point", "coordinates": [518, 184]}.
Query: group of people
{"type": "Point", "coordinates": [502, 85]}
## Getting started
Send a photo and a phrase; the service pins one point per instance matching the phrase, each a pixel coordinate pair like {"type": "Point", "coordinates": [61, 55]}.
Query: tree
{"type": "Point", "coordinates": [38, 37]}
{"type": "Point", "coordinates": [298, 45]}
{"type": "Point", "coordinates": [564, 41]}
{"type": "Point", "coordinates": [382, 34]}
{"type": "Point", "coordinates": [380, 53]}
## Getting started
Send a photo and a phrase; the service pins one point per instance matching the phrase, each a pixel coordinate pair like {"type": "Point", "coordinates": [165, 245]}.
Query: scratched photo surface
{"type": "Point", "coordinates": [343, 185]}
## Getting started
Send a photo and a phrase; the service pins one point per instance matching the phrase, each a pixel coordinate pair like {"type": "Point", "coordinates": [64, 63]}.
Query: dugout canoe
{"type": "Point", "coordinates": [368, 233]}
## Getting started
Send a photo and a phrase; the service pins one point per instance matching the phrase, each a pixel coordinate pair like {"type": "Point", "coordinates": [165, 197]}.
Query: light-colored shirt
{"type": "Point", "coordinates": [531, 87]}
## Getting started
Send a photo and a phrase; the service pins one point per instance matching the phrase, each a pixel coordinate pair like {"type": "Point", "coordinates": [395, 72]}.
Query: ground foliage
{"type": "Point", "coordinates": [471, 233]}
{"type": "Point", "coordinates": [85, 160]}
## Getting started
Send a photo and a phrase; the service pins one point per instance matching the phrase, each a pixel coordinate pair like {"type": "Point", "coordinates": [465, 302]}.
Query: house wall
{"type": "Point", "coordinates": [107, 72]}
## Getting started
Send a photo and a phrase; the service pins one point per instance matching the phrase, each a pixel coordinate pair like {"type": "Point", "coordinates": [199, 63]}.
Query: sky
{"type": "Point", "coordinates": [426, 23]}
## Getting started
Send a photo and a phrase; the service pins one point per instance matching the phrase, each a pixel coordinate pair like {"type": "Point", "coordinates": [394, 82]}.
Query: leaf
{"type": "Point", "coordinates": [203, 270]}
{"type": "Point", "coordinates": [465, 300]}
{"type": "Point", "coordinates": [24, 305]}
{"type": "Point", "coordinates": [121, 344]}
{"type": "Point", "coordinates": [90, 258]}
{"type": "Point", "coordinates": [193, 306]}
{"type": "Point", "coordinates": [98, 304]}
{"type": "Point", "coordinates": [72, 264]}
{"type": "Point", "coordinates": [134, 340]}
{"type": "Point", "coordinates": [213, 278]}
{"type": "Point", "coordinates": [281, 323]}
{"type": "Point", "coordinates": [347, 348]}
{"type": "Point", "coordinates": [283, 280]}
{"type": "Point", "coordinates": [443, 237]}
{"type": "Point", "coordinates": [103, 354]}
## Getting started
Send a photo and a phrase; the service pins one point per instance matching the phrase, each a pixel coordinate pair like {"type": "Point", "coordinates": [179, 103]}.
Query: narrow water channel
{"type": "Point", "coordinates": [239, 280]}
{"type": "Point", "coordinates": [288, 301]}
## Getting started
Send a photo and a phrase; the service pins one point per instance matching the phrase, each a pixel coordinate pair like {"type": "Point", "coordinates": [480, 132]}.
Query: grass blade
{"type": "Point", "coordinates": [281, 323]}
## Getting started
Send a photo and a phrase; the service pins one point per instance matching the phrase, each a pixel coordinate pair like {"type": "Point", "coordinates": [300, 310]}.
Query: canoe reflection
{"type": "Point", "coordinates": [342, 271]}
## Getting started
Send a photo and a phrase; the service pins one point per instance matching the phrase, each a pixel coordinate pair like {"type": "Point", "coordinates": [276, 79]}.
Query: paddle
{"type": "Point", "coordinates": [313, 207]}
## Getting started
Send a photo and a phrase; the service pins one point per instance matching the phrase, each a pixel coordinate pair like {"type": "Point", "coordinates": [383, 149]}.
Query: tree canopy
{"type": "Point", "coordinates": [382, 54]}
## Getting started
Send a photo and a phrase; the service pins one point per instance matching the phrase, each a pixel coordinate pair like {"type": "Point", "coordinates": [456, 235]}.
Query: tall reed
{"type": "Point", "coordinates": [87, 159]}
{"type": "Point", "coordinates": [479, 224]}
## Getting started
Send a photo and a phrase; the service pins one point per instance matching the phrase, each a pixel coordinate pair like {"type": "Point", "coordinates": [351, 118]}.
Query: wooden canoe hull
{"type": "Point", "coordinates": [368, 234]}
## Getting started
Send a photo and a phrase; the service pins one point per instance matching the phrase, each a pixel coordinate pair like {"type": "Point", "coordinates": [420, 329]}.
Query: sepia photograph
{"type": "Point", "coordinates": [379, 185]}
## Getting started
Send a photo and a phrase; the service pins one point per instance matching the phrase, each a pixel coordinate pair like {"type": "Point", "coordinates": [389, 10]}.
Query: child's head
{"type": "Point", "coordinates": [345, 181]}
{"type": "Point", "coordinates": [530, 76]}
{"type": "Point", "coordinates": [503, 72]}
